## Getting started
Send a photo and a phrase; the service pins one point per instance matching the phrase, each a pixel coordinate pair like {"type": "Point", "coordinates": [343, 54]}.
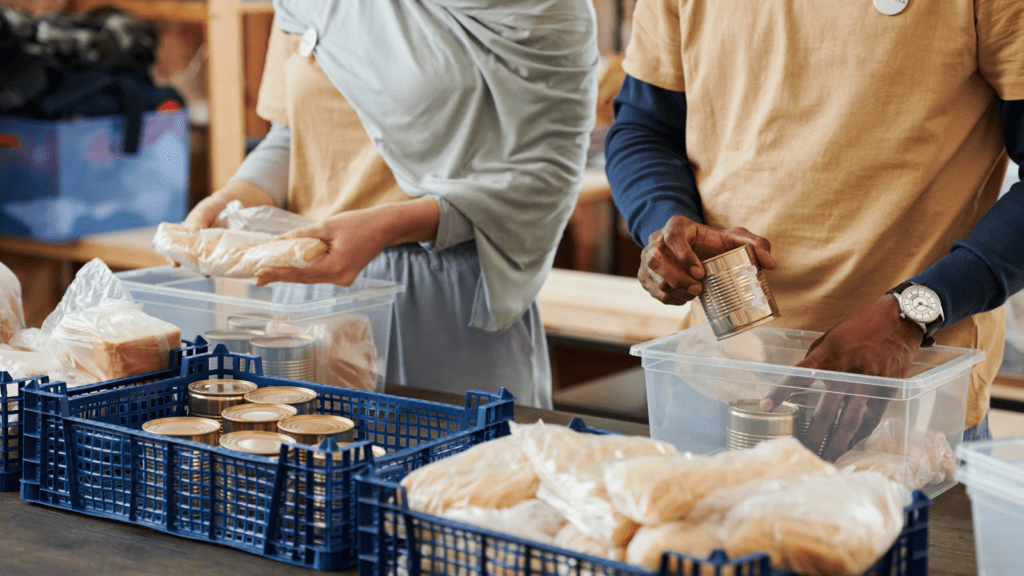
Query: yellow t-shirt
{"type": "Point", "coordinates": [861, 145]}
{"type": "Point", "coordinates": [334, 166]}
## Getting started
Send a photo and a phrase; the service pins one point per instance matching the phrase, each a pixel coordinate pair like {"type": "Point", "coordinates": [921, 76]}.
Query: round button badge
{"type": "Point", "coordinates": [307, 43]}
{"type": "Point", "coordinates": [890, 7]}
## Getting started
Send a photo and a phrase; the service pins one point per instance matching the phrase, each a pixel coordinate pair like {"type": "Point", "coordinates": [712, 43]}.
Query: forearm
{"type": "Point", "coordinates": [987, 267]}
{"type": "Point", "coordinates": [266, 167]}
{"type": "Point", "coordinates": [402, 222]}
{"type": "Point", "coordinates": [646, 163]}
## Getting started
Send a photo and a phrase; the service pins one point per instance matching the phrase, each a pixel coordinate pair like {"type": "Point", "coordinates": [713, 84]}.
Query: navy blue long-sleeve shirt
{"type": "Point", "coordinates": [652, 181]}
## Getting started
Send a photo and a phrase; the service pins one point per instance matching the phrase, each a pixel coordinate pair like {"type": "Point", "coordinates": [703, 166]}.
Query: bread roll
{"type": "Point", "coordinates": [233, 253]}
{"type": "Point", "coordinates": [913, 459]}
{"type": "Point", "coordinates": [651, 542]}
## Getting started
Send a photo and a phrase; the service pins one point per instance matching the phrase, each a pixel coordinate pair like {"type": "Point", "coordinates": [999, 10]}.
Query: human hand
{"type": "Point", "coordinates": [208, 209]}
{"type": "Point", "coordinates": [353, 239]}
{"type": "Point", "coordinates": [873, 341]}
{"type": "Point", "coordinates": [670, 264]}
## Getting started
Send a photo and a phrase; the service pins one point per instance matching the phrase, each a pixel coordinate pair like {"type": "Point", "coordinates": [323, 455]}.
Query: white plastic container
{"type": "Point", "coordinates": [692, 377]}
{"type": "Point", "coordinates": [993, 472]}
{"type": "Point", "coordinates": [198, 304]}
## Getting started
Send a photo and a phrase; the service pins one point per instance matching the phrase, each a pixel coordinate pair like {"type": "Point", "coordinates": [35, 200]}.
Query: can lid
{"type": "Point", "coordinates": [221, 387]}
{"type": "Point", "coordinates": [181, 426]}
{"type": "Point", "coordinates": [254, 442]}
{"type": "Point", "coordinates": [752, 408]}
{"type": "Point", "coordinates": [258, 412]}
{"type": "Point", "coordinates": [318, 424]}
{"type": "Point", "coordinates": [281, 395]}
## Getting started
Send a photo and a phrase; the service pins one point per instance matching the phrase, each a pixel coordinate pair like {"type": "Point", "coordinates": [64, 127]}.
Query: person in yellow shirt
{"type": "Point", "coordinates": [438, 145]}
{"type": "Point", "coordinates": [859, 147]}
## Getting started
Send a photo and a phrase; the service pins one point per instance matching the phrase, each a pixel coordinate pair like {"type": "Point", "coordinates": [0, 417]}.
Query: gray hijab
{"type": "Point", "coordinates": [486, 103]}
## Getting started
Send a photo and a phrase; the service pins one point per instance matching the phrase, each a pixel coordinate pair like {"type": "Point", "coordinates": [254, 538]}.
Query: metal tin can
{"type": "Point", "coordinates": [312, 429]}
{"type": "Point", "coordinates": [204, 430]}
{"type": "Point", "coordinates": [736, 296]}
{"type": "Point", "coordinates": [806, 403]}
{"type": "Point", "coordinates": [255, 416]}
{"type": "Point", "coordinates": [286, 355]}
{"type": "Point", "coordinates": [257, 442]}
{"type": "Point", "coordinates": [749, 424]}
{"type": "Point", "coordinates": [236, 340]}
{"type": "Point", "coordinates": [255, 321]}
{"type": "Point", "coordinates": [208, 398]}
{"type": "Point", "coordinates": [303, 399]}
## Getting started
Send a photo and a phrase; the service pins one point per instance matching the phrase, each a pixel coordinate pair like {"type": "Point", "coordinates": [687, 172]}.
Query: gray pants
{"type": "Point", "coordinates": [432, 345]}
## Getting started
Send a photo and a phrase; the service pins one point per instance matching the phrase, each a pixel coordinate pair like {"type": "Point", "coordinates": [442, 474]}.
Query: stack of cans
{"type": "Point", "coordinates": [286, 355]}
{"type": "Point", "coordinates": [209, 398]}
{"type": "Point", "coordinates": [236, 340]}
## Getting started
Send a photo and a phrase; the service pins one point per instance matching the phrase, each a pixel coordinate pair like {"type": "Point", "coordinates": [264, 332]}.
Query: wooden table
{"type": "Point", "coordinates": [38, 540]}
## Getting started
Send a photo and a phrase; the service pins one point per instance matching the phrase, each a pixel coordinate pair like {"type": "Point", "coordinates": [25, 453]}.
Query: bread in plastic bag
{"type": "Point", "coordinates": [233, 253]}
{"type": "Point", "coordinates": [27, 363]}
{"type": "Point", "coordinates": [269, 219]}
{"type": "Point", "coordinates": [914, 460]}
{"type": "Point", "coordinates": [650, 543]}
{"type": "Point", "coordinates": [661, 489]}
{"type": "Point", "coordinates": [12, 315]}
{"type": "Point", "coordinates": [345, 354]}
{"type": "Point", "coordinates": [532, 519]}
{"type": "Point", "coordinates": [570, 466]}
{"type": "Point", "coordinates": [115, 339]}
{"type": "Point", "coordinates": [493, 474]}
{"type": "Point", "coordinates": [572, 538]}
{"type": "Point", "coordinates": [837, 524]}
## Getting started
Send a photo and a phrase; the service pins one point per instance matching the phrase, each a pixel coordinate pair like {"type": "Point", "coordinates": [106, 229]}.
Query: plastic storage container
{"type": "Point", "coordinates": [692, 377]}
{"type": "Point", "coordinates": [87, 453]}
{"type": "Point", "coordinates": [11, 397]}
{"type": "Point", "coordinates": [64, 179]}
{"type": "Point", "coordinates": [993, 472]}
{"type": "Point", "coordinates": [389, 535]}
{"type": "Point", "coordinates": [351, 326]}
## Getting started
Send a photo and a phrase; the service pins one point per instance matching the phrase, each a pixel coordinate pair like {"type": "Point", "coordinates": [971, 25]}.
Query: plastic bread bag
{"type": "Point", "coordinates": [12, 315]}
{"type": "Point", "coordinates": [346, 355]}
{"type": "Point", "coordinates": [268, 219]}
{"type": "Point", "coordinates": [684, 536]}
{"type": "Point", "coordinates": [532, 519]}
{"type": "Point", "coordinates": [661, 489]}
{"type": "Point", "coordinates": [233, 253]}
{"type": "Point", "coordinates": [836, 524]}
{"type": "Point", "coordinates": [26, 363]}
{"type": "Point", "coordinates": [493, 474]}
{"type": "Point", "coordinates": [570, 466]}
{"type": "Point", "coordinates": [914, 460]}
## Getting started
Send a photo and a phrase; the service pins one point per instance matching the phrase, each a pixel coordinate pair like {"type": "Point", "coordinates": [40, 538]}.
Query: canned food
{"type": "Point", "coordinates": [286, 355]}
{"type": "Point", "coordinates": [208, 398]}
{"type": "Point", "coordinates": [258, 416]}
{"type": "Point", "coordinates": [736, 296]}
{"type": "Point", "coordinates": [257, 442]}
{"type": "Point", "coordinates": [806, 403]}
{"type": "Point", "coordinates": [749, 424]}
{"type": "Point", "coordinates": [312, 429]}
{"type": "Point", "coordinates": [202, 430]}
{"type": "Point", "coordinates": [255, 321]}
{"type": "Point", "coordinates": [236, 340]}
{"type": "Point", "coordinates": [303, 399]}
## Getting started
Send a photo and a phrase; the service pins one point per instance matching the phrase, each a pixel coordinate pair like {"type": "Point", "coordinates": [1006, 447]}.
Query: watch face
{"type": "Point", "coordinates": [920, 304]}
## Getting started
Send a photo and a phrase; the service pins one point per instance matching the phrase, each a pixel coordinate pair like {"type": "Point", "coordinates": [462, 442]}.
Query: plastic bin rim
{"type": "Point", "coordinates": [169, 290]}
{"type": "Point", "coordinates": [971, 453]}
{"type": "Point", "coordinates": [933, 376]}
{"type": "Point", "coordinates": [985, 485]}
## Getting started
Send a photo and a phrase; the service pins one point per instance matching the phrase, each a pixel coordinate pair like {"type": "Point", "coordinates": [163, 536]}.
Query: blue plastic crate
{"type": "Point", "coordinates": [11, 396]}
{"type": "Point", "coordinates": [64, 179]}
{"type": "Point", "coordinates": [388, 532]}
{"type": "Point", "coordinates": [87, 453]}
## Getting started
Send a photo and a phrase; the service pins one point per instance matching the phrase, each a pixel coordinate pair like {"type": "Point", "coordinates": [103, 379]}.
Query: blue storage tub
{"type": "Point", "coordinates": [87, 453]}
{"type": "Point", "coordinates": [64, 179]}
{"type": "Point", "coordinates": [11, 396]}
{"type": "Point", "coordinates": [388, 535]}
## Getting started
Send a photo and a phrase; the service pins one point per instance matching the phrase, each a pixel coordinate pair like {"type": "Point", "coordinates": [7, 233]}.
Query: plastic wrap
{"type": "Point", "coordinates": [494, 474]}
{"type": "Point", "coordinates": [115, 339]}
{"type": "Point", "coordinates": [661, 489]}
{"type": "Point", "coordinates": [25, 363]}
{"type": "Point", "coordinates": [532, 519]}
{"type": "Point", "coordinates": [837, 524]}
{"type": "Point", "coordinates": [233, 253]}
{"type": "Point", "coordinates": [570, 466]}
{"type": "Point", "coordinates": [651, 542]}
{"type": "Point", "coordinates": [345, 353]}
{"type": "Point", "coordinates": [268, 219]}
{"type": "Point", "coordinates": [572, 538]}
{"type": "Point", "coordinates": [12, 316]}
{"type": "Point", "coordinates": [913, 460]}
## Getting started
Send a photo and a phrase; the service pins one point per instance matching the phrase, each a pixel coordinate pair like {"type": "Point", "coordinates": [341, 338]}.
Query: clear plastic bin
{"type": "Point", "coordinates": [342, 320]}
{"type": "Point", "coordinates": [993, 472]}
{"type": "Point", "coordinates": [692, 377]}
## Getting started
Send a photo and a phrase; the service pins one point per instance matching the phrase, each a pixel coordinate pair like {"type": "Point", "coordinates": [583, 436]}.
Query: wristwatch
{"type": "Point", "coordinates": [921, 305]}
